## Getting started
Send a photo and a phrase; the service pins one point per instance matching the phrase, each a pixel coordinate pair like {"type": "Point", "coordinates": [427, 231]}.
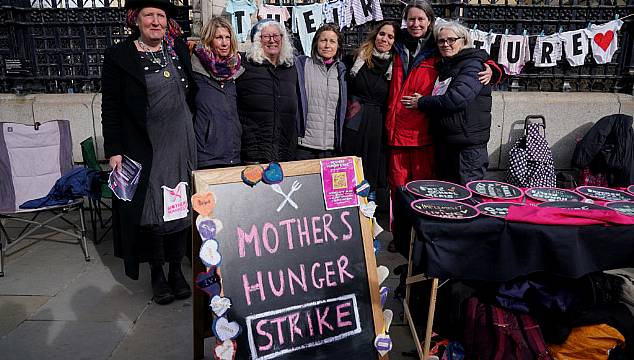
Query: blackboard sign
{"type": "Point", "coordinates": [624, 207]}
{"type": "Point", "coordinates": [552, 194]}
{"type": "Point", "coordinates": [572, 205]}
{"type": "Point", "coordinates": [444, 209]}
{"type": "Point", "coordinates": [301, 279]}
{"type": "Point", "coordinates": [496, 209]}
{"type": "Point", "coordinates": [495, 189]}
{"type": "Point", "coordinates": [435, 189]}
{"type": "Point", "coordinates": [605, 194]}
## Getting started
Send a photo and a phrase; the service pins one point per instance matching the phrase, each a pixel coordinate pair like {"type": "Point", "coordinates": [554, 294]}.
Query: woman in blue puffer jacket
{"type": "Point", "coordinates": [216, 64]}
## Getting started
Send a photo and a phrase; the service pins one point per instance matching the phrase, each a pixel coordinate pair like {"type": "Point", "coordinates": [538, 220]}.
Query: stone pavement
{"type": "Point", "coordinates": [54, 305]}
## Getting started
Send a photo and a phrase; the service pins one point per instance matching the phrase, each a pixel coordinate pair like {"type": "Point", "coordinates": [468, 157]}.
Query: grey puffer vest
{"type": "Point", "coordinates": [322, 94]}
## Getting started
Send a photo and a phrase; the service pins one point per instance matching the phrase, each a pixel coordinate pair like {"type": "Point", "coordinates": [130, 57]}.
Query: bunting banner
{"type": "Point", "coordinates": [308, 19]}
{"type": "Point", "coordinates": [240, 11]}
{"type": "Point", "coordinates": [514, 51]}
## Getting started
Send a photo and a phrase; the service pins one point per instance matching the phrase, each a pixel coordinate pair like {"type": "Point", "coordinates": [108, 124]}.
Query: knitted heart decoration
{"type": "Point", "coordinates": [225, 350]}
{"type": "Point", "coordinates": [209, 253]}
{"type": "Point", "coordinates": [219, 305]}
{"type": "Point", "coordinates": [208, 282]}
{"type": "Point", "coordinates": [252, 174]}
{"type": "Point", "coordinates": [204, 204]}
{"type": "Point", "coordinates": [383, 344]}
{"type": "Point", "coordinates": [273, 174]}
{"type": "Point", "coordinates": [225, 329]}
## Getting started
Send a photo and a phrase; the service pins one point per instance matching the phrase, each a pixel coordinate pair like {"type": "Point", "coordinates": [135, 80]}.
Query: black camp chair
{"type": "Point", "coordinates": [32, 158]}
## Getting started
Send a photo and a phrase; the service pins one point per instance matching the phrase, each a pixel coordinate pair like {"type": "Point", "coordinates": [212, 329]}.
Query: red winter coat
{"type": "Point", "coordinates": [410, 127]}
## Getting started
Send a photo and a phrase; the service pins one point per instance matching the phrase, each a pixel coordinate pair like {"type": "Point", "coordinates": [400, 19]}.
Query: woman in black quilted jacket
{"type": "Point", "coordinates": [267, 96]}
{"type": "Point", "coordinates": [460, 106]}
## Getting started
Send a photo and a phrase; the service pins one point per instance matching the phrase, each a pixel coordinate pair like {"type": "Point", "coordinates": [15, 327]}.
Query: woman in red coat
{"type": "Point", "coordinates": [414, 74]}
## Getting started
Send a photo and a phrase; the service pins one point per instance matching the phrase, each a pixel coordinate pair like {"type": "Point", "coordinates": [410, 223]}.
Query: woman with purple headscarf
{"type": "Point", "coordinates": [147, 104]}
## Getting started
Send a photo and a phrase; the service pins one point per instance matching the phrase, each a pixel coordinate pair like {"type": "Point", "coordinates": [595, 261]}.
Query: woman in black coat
{"type": "Point", "coordinates": [368, 89]}
{"type": "Point", "coordinates": [148, 92]}
{"type": "Point", "coordinates": [460, 106]}
{"type": "Point", "coordinates": [216, 64]}
{"type": "Point", "coordinates": [267, 96]}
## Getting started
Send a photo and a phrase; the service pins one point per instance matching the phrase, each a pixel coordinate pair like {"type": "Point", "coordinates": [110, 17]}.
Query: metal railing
{"type": "Point", "coordinates": [57, 46]}
{"type": "Point", "coordinates": [549, 16]}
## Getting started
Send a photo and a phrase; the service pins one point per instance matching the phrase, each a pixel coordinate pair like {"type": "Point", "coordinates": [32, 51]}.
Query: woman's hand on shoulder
{"type": "Point", "coordinates": [115, 162]}
{"type": "Point", "coordinates": [485, 75]}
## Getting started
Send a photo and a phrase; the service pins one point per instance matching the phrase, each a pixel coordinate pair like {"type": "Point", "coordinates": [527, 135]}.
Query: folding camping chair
{"type": "Point", "coordinates": [32, 158]}
{"type": "Point", "coordinates": [95, 205]}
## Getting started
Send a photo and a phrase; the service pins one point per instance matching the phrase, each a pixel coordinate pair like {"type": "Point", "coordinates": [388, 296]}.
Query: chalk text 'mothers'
{"type": "Point", "coordinates": [288, 235]}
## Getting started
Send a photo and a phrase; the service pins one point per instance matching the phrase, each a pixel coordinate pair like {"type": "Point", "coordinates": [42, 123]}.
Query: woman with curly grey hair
{"type": "Point", "coordinates": [267, 96]}
{"type": "Point", "coordinates": [462, 109]}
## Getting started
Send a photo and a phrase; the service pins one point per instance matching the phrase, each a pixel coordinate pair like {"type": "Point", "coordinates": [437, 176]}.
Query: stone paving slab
{"type": "Point", "coordinates": [63, 340]}
{"type": "Point", "coordinates": [15, 309]}
{"type": "Point", "coordinates": [97, 296]}
{"type": "Point", "coordinates": [161, 332]}
{"type": "Point", "coordinates": [43, 268]}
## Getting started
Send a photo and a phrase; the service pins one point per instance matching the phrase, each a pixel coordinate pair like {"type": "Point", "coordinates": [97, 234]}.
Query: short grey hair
{"type": "Point", "coordinates": [287, 52]}
{"type": "Point", "coordinates": [423, 5]}
{"type": "Point", "coordinates": [455, 26]}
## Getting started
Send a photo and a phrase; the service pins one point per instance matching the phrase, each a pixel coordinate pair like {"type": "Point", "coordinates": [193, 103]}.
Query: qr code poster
{"type": "Point", "coordinates": [338, 182]}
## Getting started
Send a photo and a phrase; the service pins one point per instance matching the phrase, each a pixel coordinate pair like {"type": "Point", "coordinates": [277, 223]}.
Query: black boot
{"type": "Point", "coordinates": [161, 290]}
{"type": "Point", "coordinates": [178, 284]}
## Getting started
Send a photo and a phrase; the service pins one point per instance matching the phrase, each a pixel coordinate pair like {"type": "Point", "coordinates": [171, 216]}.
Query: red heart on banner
{"type": "Point", "coordinates": [604, 40]}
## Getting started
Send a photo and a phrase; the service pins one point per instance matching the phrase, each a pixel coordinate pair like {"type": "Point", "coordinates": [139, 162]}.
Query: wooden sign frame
{"type": "Point", "coordinates": [204, 178]}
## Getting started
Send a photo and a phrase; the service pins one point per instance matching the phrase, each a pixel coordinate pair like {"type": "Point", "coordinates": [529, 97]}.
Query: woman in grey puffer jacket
{"type": "Point", "coordinates": [322, 95]}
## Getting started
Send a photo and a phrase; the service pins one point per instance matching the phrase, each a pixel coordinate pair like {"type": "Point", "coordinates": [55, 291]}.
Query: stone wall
{"type": "Point", "coordinates": [568, 117]}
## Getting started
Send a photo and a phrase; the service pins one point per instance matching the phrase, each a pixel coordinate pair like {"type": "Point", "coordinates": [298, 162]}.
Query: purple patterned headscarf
{"type": "Point", "coordinates": [173, 29]}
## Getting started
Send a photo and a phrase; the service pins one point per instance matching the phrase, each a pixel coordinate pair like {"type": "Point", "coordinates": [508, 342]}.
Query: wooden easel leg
{"type": "Point", "coordinates": [423, 352]}
{"type": "Point", "coordinates": [412, 329]}
{"type": "Point", "coordinates": [430, 317]}
{"type": "Point", "coordinates": [410, 266]}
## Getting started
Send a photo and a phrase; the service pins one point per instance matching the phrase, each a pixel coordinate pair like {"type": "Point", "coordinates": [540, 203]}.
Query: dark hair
{"type": "Point", "coordinates": [423, 5]}
{"type": "Point", "coordinates": [365, 50]}
{"type": "Point", "coordinates": [327, 27]}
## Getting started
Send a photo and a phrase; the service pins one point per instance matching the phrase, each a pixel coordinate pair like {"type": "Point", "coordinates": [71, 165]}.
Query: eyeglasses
{"type": "Point", "coordinates": [450, 41]}
{"type": "Point", "coordinates": [274, 37]}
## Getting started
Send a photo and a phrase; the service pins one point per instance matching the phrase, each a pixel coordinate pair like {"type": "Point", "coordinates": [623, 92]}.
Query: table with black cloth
{"type": "Point", "coordinates": [492, 249]}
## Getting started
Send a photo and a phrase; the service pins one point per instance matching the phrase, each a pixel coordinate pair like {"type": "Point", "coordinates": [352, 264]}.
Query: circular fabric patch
{"type": "Point", "coordinates": [624, 207]}
{"type": "Point", "coordinates": [552, 194]}
{"type": "Point", "coordinates": [496, 209]}
{"type": "Point", "coordinates": [495, 189]}
{"type": "Point", "coordinates": [605, 194]}
{"type": "Point", "coordinates": [435, 189]}
{"type": "Point", "coordinates": [572, 205]}
{"type": "Point", "coordinates": [444, 209]}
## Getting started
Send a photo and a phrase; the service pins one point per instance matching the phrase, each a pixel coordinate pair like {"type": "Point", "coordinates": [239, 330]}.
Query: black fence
{"type": "Point", "coordinates": [534, 17]}
{"type": "Point", "coordinates": [56, 46]}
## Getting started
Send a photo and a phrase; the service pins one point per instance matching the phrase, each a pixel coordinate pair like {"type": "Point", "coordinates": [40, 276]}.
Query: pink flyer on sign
{"type": "Point", "coordinates": [338, 179]}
